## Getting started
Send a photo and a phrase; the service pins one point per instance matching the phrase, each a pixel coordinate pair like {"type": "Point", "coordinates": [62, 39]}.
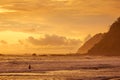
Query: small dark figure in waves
{"type": "Point", "coordinates": [29, 67]}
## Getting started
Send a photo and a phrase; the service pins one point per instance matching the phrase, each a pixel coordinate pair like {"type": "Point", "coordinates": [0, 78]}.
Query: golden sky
{"type": "Point", "coordinates": [52, 26]}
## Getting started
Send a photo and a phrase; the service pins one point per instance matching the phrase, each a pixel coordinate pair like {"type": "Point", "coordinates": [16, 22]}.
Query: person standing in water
{"type": "Point", "coordinates": [29, 67]}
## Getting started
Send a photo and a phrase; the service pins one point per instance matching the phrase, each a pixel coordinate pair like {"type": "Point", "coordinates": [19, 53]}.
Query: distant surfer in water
{"type": "Point", "coordinates": [29, 67]}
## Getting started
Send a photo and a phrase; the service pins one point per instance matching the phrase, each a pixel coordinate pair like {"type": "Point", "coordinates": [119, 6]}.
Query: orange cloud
{"type": "Point", "coordinates": [3, 10]}
{"type": "Point", "coordinates": [54, 40]}
{"type": "Point", "coordinates": [3, 42]}
{"type": "Point", "coordinates": [48, 44]}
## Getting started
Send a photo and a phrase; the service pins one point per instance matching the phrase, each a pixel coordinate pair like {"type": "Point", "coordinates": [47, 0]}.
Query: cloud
{"type": "Point", "coordinates": [73, 7]}
{"type": "Point", "coordinates": [54, 40]}
{"type": "Point", "coordinates": [11, 25]}
{"type": "Point", "coordinates": [20, 42]}
{"type": "Point", "coordinates": [3, 10]}
{"type": "Point", "coordinates": [3, 42]}
{"type": "Point", "coordinates": [55, 16]}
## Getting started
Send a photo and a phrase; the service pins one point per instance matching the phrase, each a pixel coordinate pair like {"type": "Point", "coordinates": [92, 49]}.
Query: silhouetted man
{"type": "Point", "coordinates": [29, 67]}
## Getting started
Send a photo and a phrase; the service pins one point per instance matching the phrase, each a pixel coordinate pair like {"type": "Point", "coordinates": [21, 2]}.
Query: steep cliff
{"type": "Point", "coordinates": [90, 43]}
{"type": "Point", "coordinates": [110, 44]}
